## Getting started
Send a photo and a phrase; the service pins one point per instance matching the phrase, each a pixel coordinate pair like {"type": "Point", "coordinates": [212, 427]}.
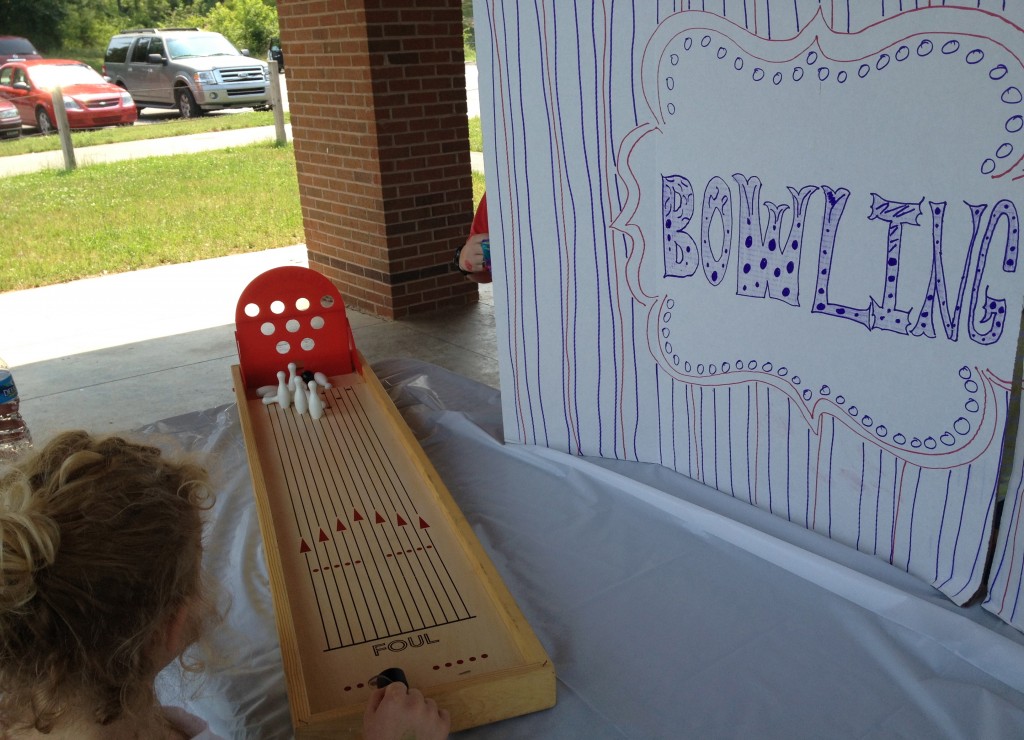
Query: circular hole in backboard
{"type": "Point", "coordinates": [302, 304]}
{"type": "Point", "coordinates": [292, 325]}
{"type": "Point", "coordinates": [283, 347]}
{"type": "Point", "coordinates": [268, 328]}
{"type": "Point", "coordinates": [277, 307]}
{"type": "Point", "coordinates": [307, 344]}
{"type": "Point", "coordinates": [251, 310]}
{"type": "Point", "coordinates": [327, 301]}
{"type": "Point", "coordinates": [317, 322]}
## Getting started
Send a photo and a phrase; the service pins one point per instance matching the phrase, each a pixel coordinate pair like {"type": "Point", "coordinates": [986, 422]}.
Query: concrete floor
{"type": "Point", "coordinates": [116, 352]}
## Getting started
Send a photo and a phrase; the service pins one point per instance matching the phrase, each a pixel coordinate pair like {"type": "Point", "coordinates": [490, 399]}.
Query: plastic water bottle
{"type": "Point", "coordinates": [14, 434]}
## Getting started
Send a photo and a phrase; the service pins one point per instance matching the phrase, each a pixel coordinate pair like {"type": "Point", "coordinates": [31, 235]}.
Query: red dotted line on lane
{"type": "Point", "coordinates": [408, 552]}
{"type": "Point", "coordinates": [339, 565]}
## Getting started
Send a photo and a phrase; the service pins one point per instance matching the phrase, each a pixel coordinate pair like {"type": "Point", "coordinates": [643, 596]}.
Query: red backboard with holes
{"type": "Point", "coordinates": [292, 314]}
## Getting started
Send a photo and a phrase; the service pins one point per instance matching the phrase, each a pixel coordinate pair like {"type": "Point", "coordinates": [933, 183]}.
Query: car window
{"type": "Point", "coordinates": [117, 52]}
{"type": "Point", "coordinates": [19, 76]}
{"type": "Point", "coordinates": [7, 76]}
{"type": "Point", "coordinates": [200, 45]}
{"type": "Point", "coordinates": [16, 46]}
{"type": "Point", "coordinates": [156, 46]}
{"type": "Point", "coordinates": [48, 76]}
{"type": "Point", "coordinates": [141, 50]}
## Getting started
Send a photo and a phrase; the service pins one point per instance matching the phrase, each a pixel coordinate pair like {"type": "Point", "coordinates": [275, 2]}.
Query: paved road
{"type": "Point", "coordinates": [190, 143]}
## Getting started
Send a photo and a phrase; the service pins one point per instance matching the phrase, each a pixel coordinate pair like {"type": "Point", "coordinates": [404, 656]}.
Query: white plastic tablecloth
{"type": "Point", "coordinates": [668, 609]}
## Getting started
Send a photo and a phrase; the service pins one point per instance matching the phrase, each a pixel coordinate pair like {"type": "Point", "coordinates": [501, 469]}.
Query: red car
{"type": "Point", "coordinates": [10, 121]}
{"type": "Point", "coordinates": [90, 101]}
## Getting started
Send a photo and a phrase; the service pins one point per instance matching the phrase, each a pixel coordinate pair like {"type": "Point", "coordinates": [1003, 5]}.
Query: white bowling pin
{"type": "Point", "coordinates": [284, 395]}
{"type": "Point", "coordinates": [316, 405]}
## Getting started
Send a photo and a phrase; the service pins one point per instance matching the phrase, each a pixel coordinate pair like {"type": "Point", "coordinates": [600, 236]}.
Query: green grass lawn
{"type": "Point", "coordinates": [117, 134]}
{"type": "Point", "coordinates": [109, 218]}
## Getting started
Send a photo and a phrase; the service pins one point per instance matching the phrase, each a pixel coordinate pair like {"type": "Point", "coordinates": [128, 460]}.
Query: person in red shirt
{"type": "Point", "coordinates": [474, 258]}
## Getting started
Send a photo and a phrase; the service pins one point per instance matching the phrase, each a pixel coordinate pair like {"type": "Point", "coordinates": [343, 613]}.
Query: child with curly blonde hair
{"type": "Point", "coordinates": [101, 586]}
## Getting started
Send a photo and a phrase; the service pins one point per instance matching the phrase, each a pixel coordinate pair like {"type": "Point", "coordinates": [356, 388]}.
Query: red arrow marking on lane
{"type": "Point", "coordinates": [379, 519]}
{"type": "Point", "coordinates": [323, 536]}
{"type": "Point", "coordinates": [340, 526]}
{"type": "Point", "coordinates": [303, 548]}
{"type": "Point", "coordinates": [356, 516]}
{"type": "Point", "coordinates": [400, 521]}
{"type": "Point", "coordinates": [423, 524]}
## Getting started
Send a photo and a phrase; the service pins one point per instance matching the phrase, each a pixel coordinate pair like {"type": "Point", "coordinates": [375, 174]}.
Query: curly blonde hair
{"type": "Point", "coordinates": [100, 546]}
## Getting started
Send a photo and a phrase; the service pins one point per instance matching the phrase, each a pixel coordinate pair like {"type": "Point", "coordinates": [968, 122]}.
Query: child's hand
{"type": "Point", "coordinates": [471, 259]}
{"type": "Point", "coordinates": [398, 713]}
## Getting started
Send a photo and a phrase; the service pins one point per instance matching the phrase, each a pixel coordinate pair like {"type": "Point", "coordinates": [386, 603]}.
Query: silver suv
{"type": "Point", "coordinates": [185, 68]}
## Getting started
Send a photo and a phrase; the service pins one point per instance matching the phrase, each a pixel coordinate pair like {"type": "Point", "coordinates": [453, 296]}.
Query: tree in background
{"type": "Point", "coordinates": [248, 24]}
{"type": "Point", "coordinates": [37, 20]}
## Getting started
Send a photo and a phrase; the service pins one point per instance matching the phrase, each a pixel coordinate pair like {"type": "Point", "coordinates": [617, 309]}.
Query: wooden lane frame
{"type": "Point", "coordinates": [372, 565]}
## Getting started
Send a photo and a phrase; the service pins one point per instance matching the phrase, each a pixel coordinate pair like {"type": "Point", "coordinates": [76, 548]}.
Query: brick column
{"type": "Point", "coordinates": [378, 113]}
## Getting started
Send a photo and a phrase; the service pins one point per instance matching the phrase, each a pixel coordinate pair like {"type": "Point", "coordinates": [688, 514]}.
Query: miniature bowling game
{"type": "Point", "coordinates": [372, 565]}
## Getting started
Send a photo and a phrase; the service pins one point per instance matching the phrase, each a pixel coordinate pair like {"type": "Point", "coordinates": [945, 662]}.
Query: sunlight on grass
{"type": "Point", "coordinates": [28, 144]}
{"type": "Point", "coordinates": [141, 213]}
{"type": "Point", "coordinates": [476, 135]}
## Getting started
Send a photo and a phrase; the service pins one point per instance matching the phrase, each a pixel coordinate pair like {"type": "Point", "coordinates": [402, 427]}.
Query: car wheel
{"type": "Point", "coordinates": [187, 103]}
{"type": "Point", "coordinates": [44, 122]}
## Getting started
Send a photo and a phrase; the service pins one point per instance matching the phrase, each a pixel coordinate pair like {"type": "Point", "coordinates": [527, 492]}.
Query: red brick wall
{"type": "Point", "coordinates": [378, 111]}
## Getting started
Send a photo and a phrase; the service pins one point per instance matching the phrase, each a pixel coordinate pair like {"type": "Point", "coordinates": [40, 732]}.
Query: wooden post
{"type": "Point", "coordinates": [275, 99]}
{"type": "Point", "coordinates": [63, 129]}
